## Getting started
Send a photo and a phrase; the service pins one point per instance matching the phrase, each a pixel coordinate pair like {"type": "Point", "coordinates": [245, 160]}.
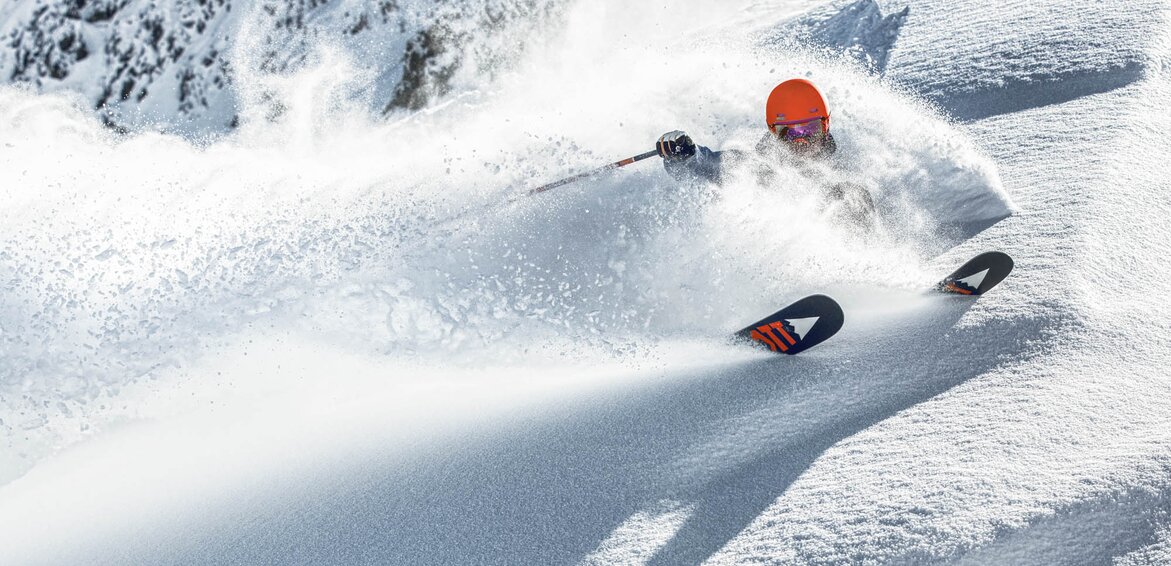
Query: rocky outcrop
{"type": "Point", "coordinates": [177, 65]}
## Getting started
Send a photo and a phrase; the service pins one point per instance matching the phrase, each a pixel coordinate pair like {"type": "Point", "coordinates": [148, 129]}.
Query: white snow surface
{"type": "Point", "coordinates": [330, 338]}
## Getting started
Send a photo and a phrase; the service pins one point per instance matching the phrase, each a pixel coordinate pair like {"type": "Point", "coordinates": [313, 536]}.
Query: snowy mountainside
{"type": "Point", "coordinates": [178, 65]}
{"type": "Point", "coordinates": [328, 337]}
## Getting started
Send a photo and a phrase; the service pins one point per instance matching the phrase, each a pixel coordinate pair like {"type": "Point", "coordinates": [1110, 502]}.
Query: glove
{"type": "Point", "coordinates": [676, 145]}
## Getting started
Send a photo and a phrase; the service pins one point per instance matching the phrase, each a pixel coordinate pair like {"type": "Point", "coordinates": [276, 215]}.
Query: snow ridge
{"type": "Point", "coordinates": [859, 30]}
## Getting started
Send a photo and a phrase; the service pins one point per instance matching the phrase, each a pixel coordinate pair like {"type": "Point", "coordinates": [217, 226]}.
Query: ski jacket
{"type": "Point", "coordinates": [710, 166]}
{"type": "Point", "coordinates": [842, 198]}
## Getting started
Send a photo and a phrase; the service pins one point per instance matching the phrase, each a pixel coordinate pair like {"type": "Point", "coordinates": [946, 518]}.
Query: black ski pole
{"type": "Point", "coordinates": [602, 169]}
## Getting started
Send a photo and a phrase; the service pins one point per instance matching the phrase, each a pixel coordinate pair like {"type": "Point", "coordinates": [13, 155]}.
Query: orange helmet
{"type": "Point", "coordinates": [793, 102]}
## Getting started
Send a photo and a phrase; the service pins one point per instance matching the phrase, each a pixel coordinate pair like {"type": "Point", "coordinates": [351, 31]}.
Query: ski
{"type": "Point", "coordinates": [816, 318]}
{"type": "Point", "coordinates": [797, 327]}
{"type": "Point", "coordinates": [978, 275]}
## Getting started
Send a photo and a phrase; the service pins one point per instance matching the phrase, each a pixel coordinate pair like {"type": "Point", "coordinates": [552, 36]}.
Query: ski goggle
{"type": "Point", "coordinates": [801, 130]}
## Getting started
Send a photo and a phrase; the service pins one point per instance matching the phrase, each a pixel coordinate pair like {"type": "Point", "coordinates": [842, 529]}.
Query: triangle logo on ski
{"type": "Point", "coordinates": [797, 327]}
{"type": "Point", "coordinates": [979, 275]}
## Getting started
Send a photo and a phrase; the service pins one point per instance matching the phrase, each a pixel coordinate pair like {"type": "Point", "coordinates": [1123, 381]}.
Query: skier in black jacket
{"type": "Point", "coordinates": [798, 136]}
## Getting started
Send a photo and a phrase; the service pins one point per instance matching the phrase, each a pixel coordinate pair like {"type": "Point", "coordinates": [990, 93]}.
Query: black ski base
{"type": "Point", "coordinates": [978, 276]}
{"type": "Point", "coordinates": [797, 327]}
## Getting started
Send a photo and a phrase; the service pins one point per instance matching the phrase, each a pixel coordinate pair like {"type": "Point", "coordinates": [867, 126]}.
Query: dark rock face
{"type": "Point", "coordinates": [49, 43]}
{"type": "Point", "coordinates": [177, 66]}
{"type": "Point", "coordinates": [425, 74]}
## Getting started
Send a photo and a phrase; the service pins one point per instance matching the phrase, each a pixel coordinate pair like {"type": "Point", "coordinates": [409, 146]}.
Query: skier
{"type": "Point", "coordinates": [798, 135]}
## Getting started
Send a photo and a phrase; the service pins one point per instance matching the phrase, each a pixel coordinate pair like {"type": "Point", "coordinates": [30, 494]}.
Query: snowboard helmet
{"type": "Point", "coordinates": [796, 113]}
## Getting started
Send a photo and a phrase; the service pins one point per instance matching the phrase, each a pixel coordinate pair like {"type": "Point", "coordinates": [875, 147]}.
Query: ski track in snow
{"type": "Point", "coordinates": [275, 348]}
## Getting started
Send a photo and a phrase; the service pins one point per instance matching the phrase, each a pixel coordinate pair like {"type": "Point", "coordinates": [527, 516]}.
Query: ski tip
{"type": "Point", "coordinates": [979, 275]}
{"type": "Point", "coordinates": [797, 327]}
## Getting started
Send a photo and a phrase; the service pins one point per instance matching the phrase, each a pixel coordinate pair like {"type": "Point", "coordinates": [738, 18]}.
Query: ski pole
{"type": "Point", "coordinates": [602, 169]}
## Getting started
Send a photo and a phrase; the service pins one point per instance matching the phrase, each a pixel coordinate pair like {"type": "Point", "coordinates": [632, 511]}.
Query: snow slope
{"type": "Point", "coordinates": [322, 339]}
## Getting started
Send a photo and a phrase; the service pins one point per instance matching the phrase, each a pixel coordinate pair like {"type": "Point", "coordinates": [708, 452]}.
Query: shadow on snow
{"type": "Point", "coordinates": [550, 486]}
